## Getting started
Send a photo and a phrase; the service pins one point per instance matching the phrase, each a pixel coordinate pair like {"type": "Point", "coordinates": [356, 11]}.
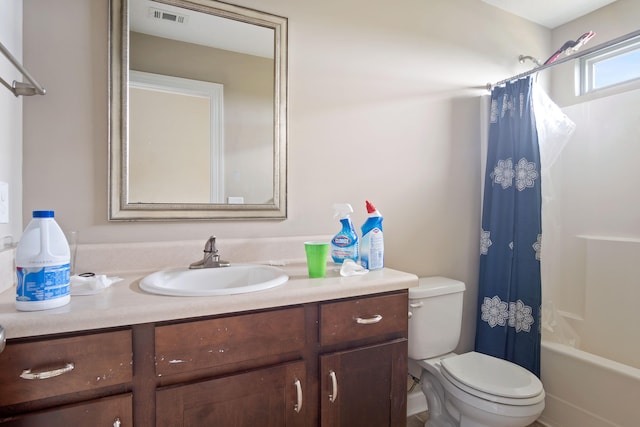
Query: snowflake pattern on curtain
{"type": "Point", "coordinates": [485, 242]}
{"type": "Point", "coordinates": [514, 314]}
{"type": "Point", "coordinates": [524, 172]}
{"type": "Point", "coordinates": [508, 105]}
{"type": "Point", "coordinates": [503, 173]}
{"type": "Point", "coordinates": [537, 246]}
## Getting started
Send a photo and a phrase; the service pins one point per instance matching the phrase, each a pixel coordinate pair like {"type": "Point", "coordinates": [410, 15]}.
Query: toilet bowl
{"type": "Point", "coordinates": [470, 389]}
{"type": "Point", "coordinates": [477, 390]}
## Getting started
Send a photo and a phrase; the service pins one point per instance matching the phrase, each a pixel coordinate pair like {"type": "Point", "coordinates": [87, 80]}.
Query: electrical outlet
{"type": "Point", "coordinates": [4, 203]}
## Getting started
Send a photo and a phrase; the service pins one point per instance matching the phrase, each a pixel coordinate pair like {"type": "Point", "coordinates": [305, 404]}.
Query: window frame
{"type": "Point", "coordinates": [587, 63]}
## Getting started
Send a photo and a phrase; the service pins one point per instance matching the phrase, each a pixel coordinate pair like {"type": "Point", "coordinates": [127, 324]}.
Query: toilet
{"type": "Point", "coordinates": [463, 390]}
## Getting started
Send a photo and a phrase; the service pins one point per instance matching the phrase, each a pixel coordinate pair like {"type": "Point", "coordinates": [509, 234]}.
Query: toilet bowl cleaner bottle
{"type": "Point", "coordinates": [372, 243]}
{"type": "Point", "coordinates": [42, 265]}
{"type": "Point", "coordinates": [344, 245]}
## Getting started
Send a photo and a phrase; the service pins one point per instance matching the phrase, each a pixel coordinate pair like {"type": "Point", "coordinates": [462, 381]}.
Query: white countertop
{"type": "Point", "coordinates": [124, 303]}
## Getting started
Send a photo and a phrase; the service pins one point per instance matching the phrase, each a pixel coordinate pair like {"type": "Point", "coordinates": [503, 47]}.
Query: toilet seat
{"type": "Point", "coordinates": [492, 379]}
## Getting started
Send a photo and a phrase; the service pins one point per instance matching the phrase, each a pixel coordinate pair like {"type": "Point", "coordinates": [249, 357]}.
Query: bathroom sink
{"type": "Point", "coordinates": [235, 279]}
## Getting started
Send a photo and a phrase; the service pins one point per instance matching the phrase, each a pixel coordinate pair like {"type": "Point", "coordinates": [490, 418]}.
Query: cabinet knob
{"type": "Point", "coordinates": [117, 423]}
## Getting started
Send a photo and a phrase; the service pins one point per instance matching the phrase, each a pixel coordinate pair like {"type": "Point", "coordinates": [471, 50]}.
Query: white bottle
{"type": "Point", "coordinates": [42, 265]}
{"type": "Point", "coordinates": [372, 242]}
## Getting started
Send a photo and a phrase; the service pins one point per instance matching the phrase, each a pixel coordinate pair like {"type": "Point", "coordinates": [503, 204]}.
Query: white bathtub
{"type": "Point", "coordinates": [585, 390]}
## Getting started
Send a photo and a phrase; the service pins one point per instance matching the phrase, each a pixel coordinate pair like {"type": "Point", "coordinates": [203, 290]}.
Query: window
{"type": "Point", "coordinates": [617, 64]}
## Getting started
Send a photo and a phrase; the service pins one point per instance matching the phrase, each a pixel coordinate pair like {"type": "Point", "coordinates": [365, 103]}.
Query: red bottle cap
{"type": "Point", "coordinates": [370, 207]}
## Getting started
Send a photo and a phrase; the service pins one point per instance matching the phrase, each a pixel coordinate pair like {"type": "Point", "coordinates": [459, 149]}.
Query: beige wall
{"type": "Point", "coordinates": [11, 119]}
{"type": "Point", "coordinates": [383, 105]}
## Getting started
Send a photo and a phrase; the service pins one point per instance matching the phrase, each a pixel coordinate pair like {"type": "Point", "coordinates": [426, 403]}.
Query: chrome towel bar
{"type": "Point", "coordinates": [20, 88]}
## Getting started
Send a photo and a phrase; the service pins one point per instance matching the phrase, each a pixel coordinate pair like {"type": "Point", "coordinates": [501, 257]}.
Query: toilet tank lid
{"type": "Point", "coordinates": [434, 286]}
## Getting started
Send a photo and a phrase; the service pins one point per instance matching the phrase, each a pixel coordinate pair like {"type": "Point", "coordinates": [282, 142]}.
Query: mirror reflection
{"type": "Point", "coordinates": [203, 109]}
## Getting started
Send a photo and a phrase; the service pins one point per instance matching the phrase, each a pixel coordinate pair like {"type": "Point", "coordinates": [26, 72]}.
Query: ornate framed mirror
{"type": "Point", "coordinates": [198, 111]}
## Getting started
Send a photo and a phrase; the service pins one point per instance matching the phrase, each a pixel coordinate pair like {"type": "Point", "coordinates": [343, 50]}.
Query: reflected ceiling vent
{"type": "Point", "coordinates": [167, 16]}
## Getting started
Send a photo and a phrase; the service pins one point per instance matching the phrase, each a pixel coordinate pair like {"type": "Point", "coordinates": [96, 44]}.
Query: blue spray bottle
{"type": "Point", "coordinates": [372, 256]}
{"type": "Point", "coordinates": [344, 245]}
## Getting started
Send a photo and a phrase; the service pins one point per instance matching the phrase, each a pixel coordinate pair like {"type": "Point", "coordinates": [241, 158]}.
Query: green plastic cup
{"type": "Point", "coordinates": [317, 253]}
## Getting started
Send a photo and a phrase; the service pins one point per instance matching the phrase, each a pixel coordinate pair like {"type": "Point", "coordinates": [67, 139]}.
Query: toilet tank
{"type": "Point", "coordinates": [436, 317]}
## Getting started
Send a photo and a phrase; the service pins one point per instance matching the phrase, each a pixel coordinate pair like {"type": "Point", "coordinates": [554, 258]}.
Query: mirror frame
{"type": "Point", "coordinates": [119, 207]}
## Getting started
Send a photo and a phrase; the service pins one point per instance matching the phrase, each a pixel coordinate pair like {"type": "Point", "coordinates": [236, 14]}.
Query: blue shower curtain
{"type": "Point", "coordinates": [509, 297]}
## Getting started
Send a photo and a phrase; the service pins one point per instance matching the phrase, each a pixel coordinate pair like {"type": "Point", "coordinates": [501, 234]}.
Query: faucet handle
{"type": "Point", "coordinates": [211, 258]}
{"type": "Point", "coordinates": [210, 246]}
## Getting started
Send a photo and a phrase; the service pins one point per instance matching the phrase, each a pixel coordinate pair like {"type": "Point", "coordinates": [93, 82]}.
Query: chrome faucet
{"type": "Point", "coordinates": [211, 258]}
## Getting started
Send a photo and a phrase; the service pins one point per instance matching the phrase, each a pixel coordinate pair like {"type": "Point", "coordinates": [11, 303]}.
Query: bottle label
{"type": "Point", "coordinates": [42, 283]}
{"type": "Point", "coordinates": [343, 247]}
{"type": "Point", "coordinates": [342, 241]}
{"type": "Point", "coordinates": [372, 256]}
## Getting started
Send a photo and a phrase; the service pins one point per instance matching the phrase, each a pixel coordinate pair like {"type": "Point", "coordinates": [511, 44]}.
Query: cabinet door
{"type": "Point", "coordinates": [366, 386]}
{"type": "Point", "coordinates": [269, 397]}
{"type": "Point", "coordinates": [114, 411]}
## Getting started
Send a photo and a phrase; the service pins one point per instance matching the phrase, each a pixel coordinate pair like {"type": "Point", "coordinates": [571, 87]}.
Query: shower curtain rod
{"type": "Point", "coordinates": [567, 58]}
{"type": "Point", "coordinates": [20, 88]}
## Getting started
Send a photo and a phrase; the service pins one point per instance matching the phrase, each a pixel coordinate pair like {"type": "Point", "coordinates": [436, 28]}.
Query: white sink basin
{"type": "Point", "coordinates": [235, 279]}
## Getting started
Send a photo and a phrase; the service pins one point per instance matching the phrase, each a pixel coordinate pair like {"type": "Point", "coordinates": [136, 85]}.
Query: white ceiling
{"type": "Point", "coordinates": [550, 13]}
{"type": "Point", "coordinates": [201, 28]}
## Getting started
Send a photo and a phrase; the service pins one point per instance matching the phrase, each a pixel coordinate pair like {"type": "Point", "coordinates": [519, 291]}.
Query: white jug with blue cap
{"type": "Point", "coordinates": [42, 265]}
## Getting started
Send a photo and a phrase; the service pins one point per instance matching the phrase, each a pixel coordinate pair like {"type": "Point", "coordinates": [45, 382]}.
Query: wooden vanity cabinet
{"type": "Point", "coordinates": [335, 363]}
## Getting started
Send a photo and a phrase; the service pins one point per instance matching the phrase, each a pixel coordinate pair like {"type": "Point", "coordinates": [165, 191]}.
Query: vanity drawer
{"type": "Point", "coordinates": [212, 343]}
{"type": "Point", "coordinates": [35, 370]}
{"type": "Point", "coordinates": [363, 318]}
{"type": "Point", "coordinates": [109, 411]}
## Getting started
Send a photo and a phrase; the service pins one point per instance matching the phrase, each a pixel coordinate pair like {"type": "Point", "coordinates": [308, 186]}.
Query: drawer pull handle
{"type": "Point", "coordinates": [298, 406]}
{"type": "Point", "coordinates": [3, 339]}
{"type": "Point", "coordinates": [28, 375]}
{"type": "Point", "coordinates": [334, 387]}
{"type": "Point", "coordinates": [416, 304]}
{"type": "Point", "coordinates": [369, 321]}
